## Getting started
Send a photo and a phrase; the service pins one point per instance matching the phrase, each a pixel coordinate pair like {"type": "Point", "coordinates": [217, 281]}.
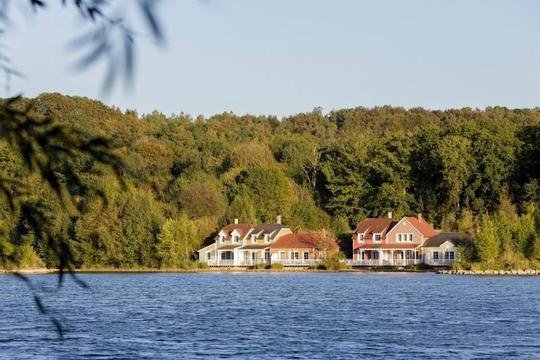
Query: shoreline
{"type": "Point", "coordinates": [45, 271]}
{"type": "Point", "coordinates": [520, 272]}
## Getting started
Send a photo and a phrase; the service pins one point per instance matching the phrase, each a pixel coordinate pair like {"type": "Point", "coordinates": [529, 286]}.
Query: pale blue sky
{"type": "Point", "coordinates": [287, 56]}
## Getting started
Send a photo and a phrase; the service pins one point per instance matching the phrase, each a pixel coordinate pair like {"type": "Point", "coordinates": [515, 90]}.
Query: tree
{"type": "Point", "coordinates": [487, 242]}
{"type": "Point", "coordinates": [300, 156]}
{"type": "Point", "coordinates": [305, 214]}
{"type": "Point", "coordinates": [178, 240]}
{"type": "Point", "coordinates": [269, 188]}
{"type": "Point", "coordinates": [527, 236]}
{"type": "Point", "coordinates": [243, 209]}
{"type": "Point", "coordinates": [456, 164]}
{"type": "Point", "coordinates": [344, 187]}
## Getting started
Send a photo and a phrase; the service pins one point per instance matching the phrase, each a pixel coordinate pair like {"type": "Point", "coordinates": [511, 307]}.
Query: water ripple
{"type": "Point", "coordinates": [275, 316]}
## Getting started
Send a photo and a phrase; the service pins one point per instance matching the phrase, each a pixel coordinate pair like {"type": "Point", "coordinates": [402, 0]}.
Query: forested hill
{"type": "Point", "coordinates": [191, 175]}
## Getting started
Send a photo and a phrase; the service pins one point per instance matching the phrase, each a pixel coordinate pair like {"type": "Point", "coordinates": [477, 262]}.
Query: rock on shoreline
{"type": "Point", "coordinates": [530, 272]}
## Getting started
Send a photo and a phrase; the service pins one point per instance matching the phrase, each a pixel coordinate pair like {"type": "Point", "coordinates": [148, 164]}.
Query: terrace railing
{"type": "Point", "coordinates": [298, 262]}
{"type": "Point", "coordinates": [384, 262]}
{"type": "Point", "coordinates": [440, 262]}
{"type": "Point", "coordinates": [220, 263]}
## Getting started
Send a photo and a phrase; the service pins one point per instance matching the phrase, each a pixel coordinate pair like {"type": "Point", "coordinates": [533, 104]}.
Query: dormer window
{"type": "Point", "coordinates": [221, 238]}
{"type": "Point", "coordinates": [254, 238]}
{"type": "Point", "coordinates": [266, 237]}
{"type": "Point", "coordinates": [236, 238]}
{"type": "Point", "coordinates": [360, 237]}
{"type": "Point", "coordinates": [377, 237]}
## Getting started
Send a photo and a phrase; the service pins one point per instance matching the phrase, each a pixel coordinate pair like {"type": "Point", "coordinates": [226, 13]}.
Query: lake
{"type": "Point", "coordinates": [274, 316]}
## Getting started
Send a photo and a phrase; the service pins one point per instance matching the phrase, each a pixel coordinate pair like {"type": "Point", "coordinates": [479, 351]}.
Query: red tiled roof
{"type": "Point", "coordinates": [375, 225]}
{"type": "Point", "coordinates": [243, 229]}
{"type": "Point", "coordinates": [421, 225]}
{"type": "Point", "coordinates": [297, 241]}
{"type": "Point", "coordinates": [388, 246]}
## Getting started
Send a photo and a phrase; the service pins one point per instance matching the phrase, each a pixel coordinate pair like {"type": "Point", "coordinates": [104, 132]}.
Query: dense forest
{"type": "Point", "coordinates": [181, 178]}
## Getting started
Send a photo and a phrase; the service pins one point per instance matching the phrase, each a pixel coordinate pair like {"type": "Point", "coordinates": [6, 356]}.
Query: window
{"type": "Point", "coordinates": [221, 238]}
{"type": "Point", "coordinates": [448, 255]}
{"type": "Point", "coordinates": [376, 237]}
{"type": "Point", "coordinates": [435, 256]}
{"type": "Point", "coordinates": [227, 255]}
{"type": "Point", "coordinates": [294, 255]}
{"type": "Point", "coordinates": [266, 237]}
{"type": "Point", "coordinates": [360, 237]}
{"type": "Point", "coordinates": [404, 237]}
{"type": "Point", "coordinates": [282, 255]}
{"type": "Point", "coordinates": [254, 238]}
{"type": "Point", "coordinates": [236, 238]}
{"type": "Point", "coordinates": [375, 255]}
{"type": "Point", "coordinates": [306, 255]}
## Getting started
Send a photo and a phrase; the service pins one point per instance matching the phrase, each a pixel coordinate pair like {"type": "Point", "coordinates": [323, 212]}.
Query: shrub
{"type": "Point", "coordinates": [201, 265]}
{"type": "Point", "coordinates": [277, 266]}
{"type": "Point", "coordinates": [261, 266]}
{"type": "Point", "coordinates": [334, 262]}
{"type": "Point", "coordinates": [27, 258]}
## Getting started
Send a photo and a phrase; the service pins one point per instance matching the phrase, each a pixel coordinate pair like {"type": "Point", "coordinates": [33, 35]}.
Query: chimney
{"type": "Point", "coordinates": [419, 217]}
{"type": "Point", "coordinates": [236, 221]}
{"type": "Point", "coordinates": [278, 219]}
{"type": "Point", "coordinates": [389, 214]}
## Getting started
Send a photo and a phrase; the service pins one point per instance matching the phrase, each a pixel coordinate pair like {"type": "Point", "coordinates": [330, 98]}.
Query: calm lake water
{"type": "Point", "coordinates": [275, 316]}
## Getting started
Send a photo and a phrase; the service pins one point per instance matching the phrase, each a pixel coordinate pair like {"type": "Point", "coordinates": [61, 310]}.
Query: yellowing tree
{"type": "Point", "coordinates": [487, 241]}
{"type": "Point", "coordinates": [178, 240]}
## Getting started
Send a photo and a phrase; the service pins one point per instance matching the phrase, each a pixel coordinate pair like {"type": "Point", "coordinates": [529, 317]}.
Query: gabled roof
{"type": "Point", "coordinates": [298, 241]}
{"type": "Point", "coordinates": [242, 229]}
{"type": "Point", "coordinates": [453, 237]}
{"type": "Point", "coordinates": [268, 229]}
{"type": "Point", "coordinates": [375, 225]}
{"type": "Point", "coordinates": [421, 225]}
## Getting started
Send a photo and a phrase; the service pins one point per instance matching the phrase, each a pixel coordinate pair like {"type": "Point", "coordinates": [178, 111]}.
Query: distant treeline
{"type": "Point", "coordinates": [183, 177]}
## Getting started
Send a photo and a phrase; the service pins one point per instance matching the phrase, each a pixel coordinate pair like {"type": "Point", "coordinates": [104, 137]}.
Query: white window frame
{"type": "Point", "coordinates": [375, 237]}
{"type": "Point", "coordinates": [360, 237]}
{"type": "Point", "coordinates": [266, 238]}
{"type": "Point", "coordinates": [404, 237]}
{"type": "Point", "coordinates": [295, 255]}
{"type": "Point", "coordinates": [306, 255]}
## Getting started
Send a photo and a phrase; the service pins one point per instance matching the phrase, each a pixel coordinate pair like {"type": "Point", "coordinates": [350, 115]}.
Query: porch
{"type": "Point", "coordinates": [297, 262]}
{"type": "Point", "coordinates": [384, 262]}
{"type": "Point", "coordinates": [238, 263]}
{"type": "Point", "coordinates": [386, 257]}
